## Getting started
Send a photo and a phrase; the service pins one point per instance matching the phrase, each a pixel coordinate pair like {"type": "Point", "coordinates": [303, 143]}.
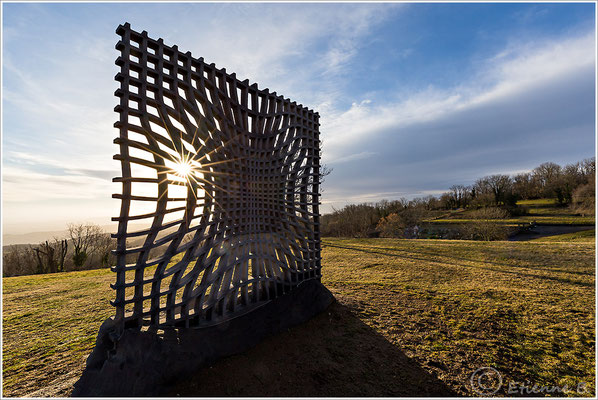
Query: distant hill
{"type": "Point", "coordinates": [32, 237]}
{"type": "Point", "coordinates": [38, 237]}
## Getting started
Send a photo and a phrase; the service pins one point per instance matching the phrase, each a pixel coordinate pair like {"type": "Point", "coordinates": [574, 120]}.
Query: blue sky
{"type": "Point", "coordinates": [413, 98]}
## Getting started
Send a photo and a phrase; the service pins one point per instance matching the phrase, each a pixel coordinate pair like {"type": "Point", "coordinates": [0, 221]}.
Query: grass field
{"type": "Point", "coordinates": [588, 236]}
{"type": "Point", "coordinates": [539, 220]}
{"type": "Point", "coordinates": [413, 317]}
{"type": "Point", "coordinates": [540, 211]}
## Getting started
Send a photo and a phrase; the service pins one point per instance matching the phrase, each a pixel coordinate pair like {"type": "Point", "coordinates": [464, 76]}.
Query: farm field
{"type": "Point", "coordinates": [413, 317]}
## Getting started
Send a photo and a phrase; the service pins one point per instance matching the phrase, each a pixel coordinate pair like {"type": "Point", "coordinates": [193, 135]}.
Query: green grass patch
{"type": "Point", "coordinates": [537, 202]}
{"type": "Point", "coordinates": [587, 236]}
{"type": "Point", "coordinates": [538, 219]}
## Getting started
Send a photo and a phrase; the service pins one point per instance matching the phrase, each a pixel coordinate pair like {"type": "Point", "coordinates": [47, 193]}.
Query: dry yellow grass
{"type": "Point", "coordinates": [524, 308]}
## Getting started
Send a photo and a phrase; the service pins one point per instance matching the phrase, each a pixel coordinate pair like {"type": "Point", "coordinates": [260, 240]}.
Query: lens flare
{"type": "Point", "coordinates": [183, 169]}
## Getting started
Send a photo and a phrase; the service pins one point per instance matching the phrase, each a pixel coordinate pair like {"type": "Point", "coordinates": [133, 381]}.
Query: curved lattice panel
{"type": "Point", "coordinates": [219, 204]}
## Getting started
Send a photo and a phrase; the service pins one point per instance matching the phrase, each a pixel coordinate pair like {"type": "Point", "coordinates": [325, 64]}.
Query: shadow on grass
{"type": "Point", "coordinates": [334, 354]}
{"type": "Point", "coordinates": [403, 254]}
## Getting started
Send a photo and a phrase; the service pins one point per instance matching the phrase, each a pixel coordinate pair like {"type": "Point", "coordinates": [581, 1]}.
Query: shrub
{"type": "Point", "coordinates": [518, 211]}
{"type": "Point", "coordinates": [486, 230]}
{"type": "Point", "coordinates": [391, 226]}
{"type": "Point", "coordinates": [489, 213]}
{"type": "Point", "coordinates": [486, 227]}
{"type": "Point", "coordinates": [354, 220]}
{"type": "Point", "coordinates": [584, 199]}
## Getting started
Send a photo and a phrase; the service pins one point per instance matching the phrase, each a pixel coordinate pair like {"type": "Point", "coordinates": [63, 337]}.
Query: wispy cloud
{"type": "Point", "coordinates": [370, 197]}
{"type": "Point", "coordinates": [299, 51]}
{"type": "Point", "coordinates": [524, 69]}
{"type": "Point", "coordinates": [353, 157]}
{"type": "Point", "coordinates": [24, 186]}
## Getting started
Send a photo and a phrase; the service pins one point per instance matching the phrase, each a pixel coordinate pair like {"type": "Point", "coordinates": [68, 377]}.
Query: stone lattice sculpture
{"type": "Point", "coordinates": [225, 179]}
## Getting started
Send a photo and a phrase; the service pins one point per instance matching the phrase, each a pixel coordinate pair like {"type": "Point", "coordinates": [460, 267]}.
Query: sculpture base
{"type": "Point", "coordinates": [145, 363]}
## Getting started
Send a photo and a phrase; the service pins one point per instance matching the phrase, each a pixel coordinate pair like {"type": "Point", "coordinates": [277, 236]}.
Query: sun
{"type": "Point", "coordinates": [183, 169]}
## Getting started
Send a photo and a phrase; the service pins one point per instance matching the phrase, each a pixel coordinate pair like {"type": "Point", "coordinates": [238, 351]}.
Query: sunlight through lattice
{"type": "Point", "coordinates": [220, 185]}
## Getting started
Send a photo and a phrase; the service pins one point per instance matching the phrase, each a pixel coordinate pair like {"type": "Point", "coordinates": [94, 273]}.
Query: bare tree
{"type": "Point", "coordinates": [324, 172]}
{"type": "Point", "coordinates": [46, 258]}
{"type": "Point", "coordinates": [460, 195]}
{"type": "Point", "coordinates": [391, 226]}
{"type": "Point", "coordinates": [546, 175]}
{"type": "Point", "coordinates": [83, 237]}
{"type": "Point", "coordinates": [61, 248]}
{"type": "Point", "coordinates": [588, 167]}
{"type": "Point", "coordinates": [447, 201]}
{"type": "Point", "coordinates": [103, 246]}
{"type": "Point", "coordinates": [50, 256]}
{"type": "Point", "coordinates": [18, 260]}
{"type": "Point", "coordinates": [486, 225]}
{"type": "Point", "coordinates": [525, 185]}
{"type": "Point", "coordinates": [482, 191]}
{"type": "Point", "coordinates": [498, 186]}
{"type": "Point", "coordinates": [584, 199]}
{"type": "Point", "coordinates": [484, 230]}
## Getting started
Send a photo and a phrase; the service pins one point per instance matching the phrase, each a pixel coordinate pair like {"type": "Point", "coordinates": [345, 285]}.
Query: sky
{"type": "Point", "coordinates": [413, 97]}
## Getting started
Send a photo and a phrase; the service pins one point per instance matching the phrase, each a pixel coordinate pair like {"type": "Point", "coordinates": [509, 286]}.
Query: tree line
{"type": "Point", "coordinates": [493, 197]}
{"type": "Point", "coordinates": [569, 185]}
{"type": "Point", "coordinates": [87, 246]}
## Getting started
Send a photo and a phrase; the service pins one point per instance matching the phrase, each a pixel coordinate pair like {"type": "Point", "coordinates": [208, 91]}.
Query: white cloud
{"type": "Point", "coordinates": [518, 70]}
{"type": "Point", "coordinates": [530, 64]}
{"type": "Point", "coordinates": [342, 199]}
{"type": "Point", "coordinates": [23, 185]}
{"type": "Point", "coordinates": [298, 51]}
{"type": "Point", "coordinates": [353, 157]}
